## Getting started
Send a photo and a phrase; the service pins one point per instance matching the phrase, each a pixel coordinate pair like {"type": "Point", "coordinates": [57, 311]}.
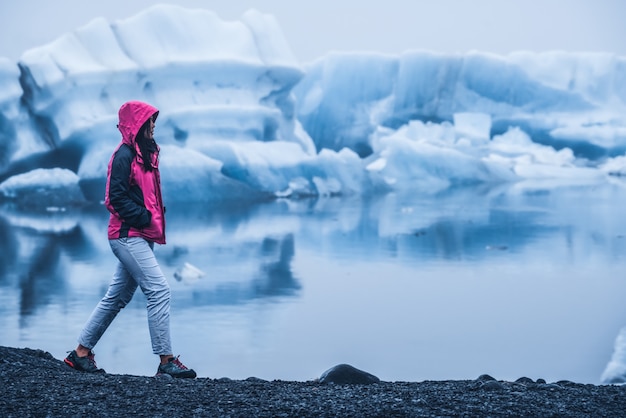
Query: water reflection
{"type": "Point", "coordinates": [8, 255]}
{"type": "Point", "coordinates": [42, 278]}
{"type": "Point", "coordinates": [324, 256]}
{"type": "Point", "coordinates": [274, 277]}
{"type": "Point", "coordinates": [259, 242]}
{"type": "Point", "coordinates": [40, 250]}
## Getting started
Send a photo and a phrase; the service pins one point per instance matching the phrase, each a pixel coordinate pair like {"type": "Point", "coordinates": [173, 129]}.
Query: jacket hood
{"type": "Point", "coordinates": [132, 115]}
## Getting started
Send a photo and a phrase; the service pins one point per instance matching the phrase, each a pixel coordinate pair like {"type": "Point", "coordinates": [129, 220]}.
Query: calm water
{"type": "Point", "coordinates": [506, 282]}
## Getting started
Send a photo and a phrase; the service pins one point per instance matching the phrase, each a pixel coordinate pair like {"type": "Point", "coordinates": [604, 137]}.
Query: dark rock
{"type": "Point", "coordinates": [256, 380]}
{"type": "Point", "coordinates": [549, 386]}
{"type": "Point", "coordinates": [541, 381]}
{"type": "Point", "coordinates": [39, 353]}
{"type": "Point", "coordinates": [344, 374]}
{"type": "Point", "coordinates": [484, 378]}
{"type": "Point", "coordinates": [492, 385]}
{"type": "Point", "coordinates": [525, 380]}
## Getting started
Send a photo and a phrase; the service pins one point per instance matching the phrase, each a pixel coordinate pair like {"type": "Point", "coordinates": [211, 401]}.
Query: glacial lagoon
{"type": "Point", "coordinates": [513, 281]}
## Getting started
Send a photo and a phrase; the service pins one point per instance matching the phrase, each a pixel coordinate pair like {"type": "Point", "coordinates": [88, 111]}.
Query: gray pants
{"type": "Point", "coordinates": [137, 267]}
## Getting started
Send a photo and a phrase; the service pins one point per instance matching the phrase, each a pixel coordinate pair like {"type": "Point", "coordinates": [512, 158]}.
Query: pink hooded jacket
{"type": "Point", "coordinates": [133, 194]}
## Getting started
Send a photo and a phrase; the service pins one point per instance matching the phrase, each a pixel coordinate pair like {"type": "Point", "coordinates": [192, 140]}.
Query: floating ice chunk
{"type": "Point", "coordinates": [343, 172]}
{"type": "Point", "coordinates": [327, 187]}
{"type": "Point", "coordinates": [517, 145]}
{"type": "Point", "coordinates": [429, 165]}
{"type": "Point", "coordinates": [542, 164]}
{"type": "Point", "coordinates": [545, 171]}
{"type": "Point", "coordinates": [615, 371]}
{"type": "Point", "coordinates": [436, 133]}
{"type": "Point", "coordinates": [607, 136]}
{"type": "Point", "coordinates": [188, 274]}
{"type": "Point", "coordinates": [476, 127]}
{"type": "Point", "coordinates": [615, 166]}
{"type": "Point", "coordinates": [297, 187]}
{"type": "Point", "coordinates": [43, 188]}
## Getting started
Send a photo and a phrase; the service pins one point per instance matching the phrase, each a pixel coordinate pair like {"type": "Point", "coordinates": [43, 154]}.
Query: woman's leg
{"type": "Point", "coordinates": [138, 258]}
{"type": "Point", "coordinates": [119, 293]}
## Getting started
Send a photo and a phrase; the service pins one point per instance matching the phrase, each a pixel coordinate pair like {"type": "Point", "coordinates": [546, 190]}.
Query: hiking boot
{"type": "Point", "coordinates": [175, 368]}
{"type": "Point", "coordinates": [83, 364]}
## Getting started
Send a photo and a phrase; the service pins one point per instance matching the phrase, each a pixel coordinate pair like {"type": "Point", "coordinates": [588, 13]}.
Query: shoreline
{"type": "Point", "coordinates": [37, 384]}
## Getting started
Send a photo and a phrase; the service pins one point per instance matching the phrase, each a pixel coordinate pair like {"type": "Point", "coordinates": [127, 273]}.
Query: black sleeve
{"type": "Point", "coordinates": [126, 200]}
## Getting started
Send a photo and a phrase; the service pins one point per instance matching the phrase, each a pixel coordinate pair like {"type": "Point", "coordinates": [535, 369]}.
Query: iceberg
{"type": "Point", "coordinates": [200, 72]}
{"type": "Point", "coordinates": [574, 100]}
{"type": "Point", "coordinates": [49, 189]}
{"type": "Point", "coordinates": [219, 86]}
{"type": "Point", "coordinates": [241, 118]}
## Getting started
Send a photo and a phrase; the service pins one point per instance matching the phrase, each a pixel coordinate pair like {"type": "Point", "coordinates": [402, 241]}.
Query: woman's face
{"type": "Point", "coordinates": [149, 134]}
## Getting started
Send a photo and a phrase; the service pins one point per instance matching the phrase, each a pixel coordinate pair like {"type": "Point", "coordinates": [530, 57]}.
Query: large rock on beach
{"type": "Point", "coordinates": [345, 374]}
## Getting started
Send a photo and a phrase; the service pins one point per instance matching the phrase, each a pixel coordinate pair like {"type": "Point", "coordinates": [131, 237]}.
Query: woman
{"type": "Point", "coordinates": [137, 221]}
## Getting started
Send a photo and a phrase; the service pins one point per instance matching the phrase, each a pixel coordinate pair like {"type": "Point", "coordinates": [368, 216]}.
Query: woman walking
{"type": "Point", "coordinates": [136, 223]}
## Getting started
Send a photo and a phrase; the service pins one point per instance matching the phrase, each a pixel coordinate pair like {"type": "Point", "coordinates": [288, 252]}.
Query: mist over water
{"type": "Point", "coordinates": [508, 282]}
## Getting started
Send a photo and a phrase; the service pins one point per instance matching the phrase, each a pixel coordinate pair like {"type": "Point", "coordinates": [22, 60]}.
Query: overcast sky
{"type": "Point", "coordinates": [316, 27]}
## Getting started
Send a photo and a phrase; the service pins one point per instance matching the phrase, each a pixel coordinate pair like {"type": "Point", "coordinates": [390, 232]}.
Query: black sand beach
{"type": "Point", "coordinates": [35, 384]}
